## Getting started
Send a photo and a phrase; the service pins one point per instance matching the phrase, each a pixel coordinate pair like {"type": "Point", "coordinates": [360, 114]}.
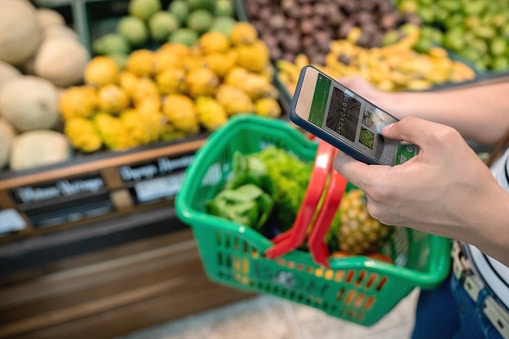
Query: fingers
{"type": "Point", "coordinates": [353, 170]}
{"type": "Point", "coordinates": [420, 132]}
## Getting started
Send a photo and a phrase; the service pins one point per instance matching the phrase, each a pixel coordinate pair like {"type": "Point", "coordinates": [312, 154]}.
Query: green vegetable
{"type": "Point", "coordinates": [264, 188]}
{"type": "Point", "coordinates": [247, 204]}
{"type": "Point", "coordinates": [290, 177]}
{"type": "Point", "coordinates": [249, 170]}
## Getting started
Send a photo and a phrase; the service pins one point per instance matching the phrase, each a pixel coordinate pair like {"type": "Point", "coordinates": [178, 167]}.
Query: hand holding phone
{"type": "Point", "coordinates": [337, 115]}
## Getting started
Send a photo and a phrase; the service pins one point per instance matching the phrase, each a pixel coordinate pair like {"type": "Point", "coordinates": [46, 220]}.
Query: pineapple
{"type": "Point", "coordinates": [359, 233]}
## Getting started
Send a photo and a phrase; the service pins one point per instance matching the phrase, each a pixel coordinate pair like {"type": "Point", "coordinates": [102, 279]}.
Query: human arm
{"type": "Point", "coordinates": [479, 113]}
{"type": "Point", "coordinates": [445, 189]}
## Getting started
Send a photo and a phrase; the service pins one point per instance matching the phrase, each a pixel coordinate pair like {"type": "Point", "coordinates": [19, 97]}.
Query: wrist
{"type": "Point", "coordinates": [493, 231]}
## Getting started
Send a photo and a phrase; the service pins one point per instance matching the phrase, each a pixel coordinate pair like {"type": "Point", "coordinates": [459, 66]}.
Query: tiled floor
{"type": "Point", "coordinates": [267, 317]}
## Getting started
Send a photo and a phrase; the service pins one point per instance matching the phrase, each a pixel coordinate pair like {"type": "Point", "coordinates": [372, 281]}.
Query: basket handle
{"type": "Point", "coordinates": [295, 236]}
{"type": "Point", "coordinates": [317, 246]}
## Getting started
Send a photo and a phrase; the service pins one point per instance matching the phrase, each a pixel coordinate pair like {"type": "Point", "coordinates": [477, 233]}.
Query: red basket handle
{"type": "Point", "coordinates": [295, 236]}
{"type": "Point", "coordinates": [317, 246]}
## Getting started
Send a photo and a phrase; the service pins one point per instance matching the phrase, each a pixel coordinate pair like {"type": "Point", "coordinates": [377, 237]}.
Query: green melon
{"type": "Point", "coordinates": [134, 29]}
{"type": "Point", "coordinates": [223, 25]}
{"type": "Point", "coordinates": [111, 43]}
{"type": "Point", "coordinates": [144, 9]}
{"type": "Point", "coordinates": [162, 24]}
{"type": "Point", "coordinates": [200, 20]}
{"type": "Point", "coordinates": [184, 36]}
{"type": "Point", "coordinates": [180, 9]}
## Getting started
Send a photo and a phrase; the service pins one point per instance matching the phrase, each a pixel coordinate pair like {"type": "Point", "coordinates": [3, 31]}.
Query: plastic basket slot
{"type": "Point", "coordinates": [220, 259]}
{"type": "Point", "coordinates": [255, 254]}
{"type": "Point", "coordinates": [236, 244]}
{"type": "Point", "coordinates": [338, 277]}
{"type": "Point", "coordinates": [227, 240]}
{"type": "Point", "coordinates": [228, 260]}
{"type": "Point", "coordinates": [381, 284]}
{"type": "Point", "coordinates": [360, 278]}
{"type": "Point", "coordinates": [245, 265]}
{"type": "Point", "coordinates": [350, 297]}
{"type": "Point", "coordinates": [349, 276]}
{"type": "Point", "coordinates": [372, 278]}
{"type": "Point", "coordinates": [314, 301]}
{"type": "Point", "coordinates": [369, 302]}
{"type": "Point", "coordinates": [245, 247]}
{"type": "Point", "coordinates": [241, 265]}
{"type": "Point", "coordinates": [340, 294]}
{"type": "Point", "coordinates": [360, 300]}
{"type": "Point", "coordinates": [214, 177]}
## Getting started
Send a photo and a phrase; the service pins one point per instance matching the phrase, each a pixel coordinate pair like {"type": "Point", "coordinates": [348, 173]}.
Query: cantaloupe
{"type": "Point", "coordinates": [20, 31]}
{"type": "Point", "coordinates": [30, 103]}
{"type": "Point", "coordinates": [7, 73]}
{"type": "Point", "coordinates": [49, 18]}
{"type": "Point", "coordinates": [62, 61]}
{"type": "Point", "coordinates": [7, 135]}
{"type": "Point", "coordinates": [60, 32]}
{"type": "Point", "coordinates": [38, 148]}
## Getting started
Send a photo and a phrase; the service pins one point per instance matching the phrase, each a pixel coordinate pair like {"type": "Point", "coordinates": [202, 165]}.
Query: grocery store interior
{"type": "Point", "coordinates": [151, 180]}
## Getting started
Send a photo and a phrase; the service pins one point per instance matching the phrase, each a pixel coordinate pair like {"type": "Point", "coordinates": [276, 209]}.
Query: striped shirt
{"type": "Point", "coordinates": [494, 273]}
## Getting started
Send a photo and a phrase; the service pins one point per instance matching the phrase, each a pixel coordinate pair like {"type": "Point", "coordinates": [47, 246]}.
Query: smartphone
{"type": "Point", "coordinates": [344, 119]}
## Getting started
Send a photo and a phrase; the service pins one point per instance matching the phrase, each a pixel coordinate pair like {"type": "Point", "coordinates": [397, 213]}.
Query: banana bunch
{"type": "Point", "coordinates": [395, 67]}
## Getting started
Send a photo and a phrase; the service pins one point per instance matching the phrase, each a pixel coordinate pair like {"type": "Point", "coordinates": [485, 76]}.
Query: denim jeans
{"type": "Point", "coordinates": [448, 312]}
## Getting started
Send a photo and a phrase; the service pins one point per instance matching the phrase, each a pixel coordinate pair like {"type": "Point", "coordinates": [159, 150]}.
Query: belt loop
{"type": "Point", "coordinates": [497, 316]}
{"type": "Point", "coordinates": [475, 288]}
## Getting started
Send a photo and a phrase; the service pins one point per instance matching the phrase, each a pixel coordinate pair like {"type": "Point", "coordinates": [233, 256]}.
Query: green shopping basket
{"type": "Point", "coordinates": [357, 289]}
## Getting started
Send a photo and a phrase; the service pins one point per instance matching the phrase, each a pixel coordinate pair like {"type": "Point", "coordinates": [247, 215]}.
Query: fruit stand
{"type": "Point", "coordinates": [104, 104]}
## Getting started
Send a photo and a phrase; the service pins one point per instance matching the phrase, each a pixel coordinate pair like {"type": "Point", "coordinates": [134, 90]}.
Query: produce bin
{"type": "Point", "coordinates": [356, 289]}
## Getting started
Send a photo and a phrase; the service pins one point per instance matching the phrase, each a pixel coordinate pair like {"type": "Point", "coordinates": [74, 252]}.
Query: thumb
{"type": "Point", "coordinates": [414, 130]}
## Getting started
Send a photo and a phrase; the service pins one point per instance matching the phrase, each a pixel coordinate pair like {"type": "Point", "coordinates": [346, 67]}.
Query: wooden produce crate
{"type": "Point", "coordinates": [92, 188]}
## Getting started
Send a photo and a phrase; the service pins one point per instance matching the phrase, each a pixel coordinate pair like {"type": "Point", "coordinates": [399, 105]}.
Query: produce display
{"type": "Point", "coordinates": [477, 31]}
{"type": "Point", "coordinates": [165, 73]}
{"type": "Point", "coordinates": [265, 192]}
{"type": "Point", "coordinates": [149, 25]}
{"type": "Point", "coordinates": [370, 39]}
{"type": "Point", "coordinates": [395, 67]}
{"type": "Point", "coordinates": [172, 69]}
{"type": "Point", "coordinates": [39, 55]}
{"type": "Point", "coordinates": [171, 92]}
{"type": "Point", "coordinates": [291, 27]}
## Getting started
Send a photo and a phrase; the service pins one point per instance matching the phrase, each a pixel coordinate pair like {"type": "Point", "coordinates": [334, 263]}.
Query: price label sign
{"type": "Point", "coordinates": [156, 180]}
{"type": "Point", "coordinates": [159, 188]}
{"type": "Point", "coordinates": [63, 201]}
{"type": "Point", "coordinates": [11, 221]}
{"type": "Point", "coordinates": [64, 188]}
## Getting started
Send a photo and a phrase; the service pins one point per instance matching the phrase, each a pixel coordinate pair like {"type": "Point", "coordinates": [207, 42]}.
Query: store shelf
{"type": "Point", "coordinates": [91, 189]}
{"type": "Point", "coordinates": [110, 292]}
{"type": "Point", "coordinates": [37, 251]}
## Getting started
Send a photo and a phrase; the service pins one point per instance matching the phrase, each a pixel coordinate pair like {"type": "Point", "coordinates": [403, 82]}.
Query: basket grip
{"type": "Point", "coordinates": [296, 235]}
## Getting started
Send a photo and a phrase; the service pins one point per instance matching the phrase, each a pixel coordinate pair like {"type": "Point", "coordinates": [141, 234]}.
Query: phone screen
{"type": "Point", "coordinates": [351, 119]}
